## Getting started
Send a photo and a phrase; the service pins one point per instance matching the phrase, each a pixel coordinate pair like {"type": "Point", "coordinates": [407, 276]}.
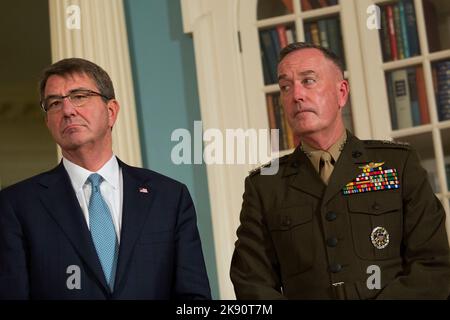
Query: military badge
{"type": "Point", "coordinates": [373, 178]}
{"type": "Point", "coordinates": [379, 237]}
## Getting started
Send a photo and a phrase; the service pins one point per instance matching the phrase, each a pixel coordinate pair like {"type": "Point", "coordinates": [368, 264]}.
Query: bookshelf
{"type": "Point", "coordinates": [268, 25]}
{"type": "Point", "coordinates": [408, 61]}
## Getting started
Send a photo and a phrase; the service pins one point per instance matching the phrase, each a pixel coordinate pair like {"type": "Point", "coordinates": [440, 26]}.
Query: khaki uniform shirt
{"type": "Point", "coordinates": [301, 239]}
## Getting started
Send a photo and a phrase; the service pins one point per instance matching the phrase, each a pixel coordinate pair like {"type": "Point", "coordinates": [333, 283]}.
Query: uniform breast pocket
{"type": "Point", "coordinates": [292, 233]}
{"type": "Point", "coordinates": [377, 224]}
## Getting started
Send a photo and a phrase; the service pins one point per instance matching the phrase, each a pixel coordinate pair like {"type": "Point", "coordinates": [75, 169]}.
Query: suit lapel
{"type": "Point", "coordinates": [347, 166]}
{"type": "Point", "coordinates": [138, 196]}
{"type": "Point", "coordinates": [58, 196]}
{"type": "Point", "coordinates": [305, 177]}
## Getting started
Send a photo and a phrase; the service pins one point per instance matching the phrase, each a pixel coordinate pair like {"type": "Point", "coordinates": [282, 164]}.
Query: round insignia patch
{"type": "Point", "coordinates": [379, 237]}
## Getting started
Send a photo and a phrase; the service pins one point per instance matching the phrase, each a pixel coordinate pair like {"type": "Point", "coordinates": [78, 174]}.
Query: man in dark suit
{"type": "Point", "coordinates": [94, 227]}
{"type": "Point", "coordinates": [342, 218]}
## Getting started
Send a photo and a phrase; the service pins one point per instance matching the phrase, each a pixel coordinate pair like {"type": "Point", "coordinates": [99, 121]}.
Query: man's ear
{"type": "Point", "coordinates": [113, 108]}
{"type": "Point", "coordinates": [343, 91]}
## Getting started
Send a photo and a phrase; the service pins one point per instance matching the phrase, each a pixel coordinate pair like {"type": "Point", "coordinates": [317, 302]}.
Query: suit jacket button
{"type": "Point", "coordinates": [332, 242]}
{"type": "Point", "coordinates": [335, 268]}
{"type": "Point", "coordinates": [331, 216]}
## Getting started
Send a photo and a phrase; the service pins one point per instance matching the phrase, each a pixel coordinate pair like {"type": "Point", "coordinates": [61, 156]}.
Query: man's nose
{"type": "Point", "coordinates": [299, 91]}
{"type": "Point", "coordinates": [68, 108]}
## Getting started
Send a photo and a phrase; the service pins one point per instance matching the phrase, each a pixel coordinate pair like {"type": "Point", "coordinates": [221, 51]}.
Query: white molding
{"type": "Point", "coordinates": [191, 11]}
{"type": "Point", "coordinates": [222, 105]}
{"type": "Point", "coordinates": [102, 39]}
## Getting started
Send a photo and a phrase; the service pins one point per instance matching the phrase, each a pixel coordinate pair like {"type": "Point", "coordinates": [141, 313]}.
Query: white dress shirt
{"type": "Point", "coordinates": [111, 188]}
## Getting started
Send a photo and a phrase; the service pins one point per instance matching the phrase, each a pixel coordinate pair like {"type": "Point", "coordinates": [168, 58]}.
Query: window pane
{"type": "Point", "coordinates": [316, 4]}
{"type": "Point", "coordinates": [437, 21]}
{"type": "Point", "coordinates": [274, 8]}
{"type": "Point", "coordinates": [278, 120]}
{"type": "Point", "coordinates": [441, 84]}
{"type": "Point", "coordinates": [398, 33]}
{"type": "Point", "coordinates": [271, 42]}
{"type": "Point", "coordinates": [423, 144]}
{"type": "Point", "coordinates": [408, 104]}
{"type": "Point", "coordinates": [327, 33]}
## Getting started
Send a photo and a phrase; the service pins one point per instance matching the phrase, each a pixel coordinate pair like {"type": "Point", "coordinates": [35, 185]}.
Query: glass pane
{"type": "Point", "coordinates": [274, 8]}
{"type": "Point", "coordinates": [327, 33]}
{"type": "Point", "coordinates": [437, 21]}
{"type": "Point", "coordinates": [271, 42]}
{"type": "Point", "coordinates": [277, 120]}
{"type": "Point", "coordinates": [441, 84]}
{"type": "Point", "coordinates": [407, 96]}
{"type": "Point", "coordinates": [423, 144]}
{"type": "Point", "coordinates": [316, 4]}
{"type": "Point", "coordinates": [398, 32]}
{"type": "Point", "coordinates": [445, 136]}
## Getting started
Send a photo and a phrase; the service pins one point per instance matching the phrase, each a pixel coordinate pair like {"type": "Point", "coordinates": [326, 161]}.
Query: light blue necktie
{"type": "Point", "coordinates": [102, 230]}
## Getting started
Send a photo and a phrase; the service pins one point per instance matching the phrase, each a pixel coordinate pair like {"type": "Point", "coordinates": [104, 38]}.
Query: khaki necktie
{"type": "Point", "coordinates": [326, 166]}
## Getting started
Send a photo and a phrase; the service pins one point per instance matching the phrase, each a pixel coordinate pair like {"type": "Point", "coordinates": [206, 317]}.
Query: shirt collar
{"type": "Point", "coordinates": [335, 150]}
{"type": "Point", "coordinates": [78, 175]}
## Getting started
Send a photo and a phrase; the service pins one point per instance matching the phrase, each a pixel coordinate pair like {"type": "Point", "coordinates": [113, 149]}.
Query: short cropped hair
{"type": "Point", "coordinates": [330, 55]}
{"type": "Point", "coordinates": [79, 66]}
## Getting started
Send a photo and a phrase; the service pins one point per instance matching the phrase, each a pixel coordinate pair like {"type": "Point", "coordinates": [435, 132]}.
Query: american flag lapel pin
{"type": "Point", "coordinates": [143, 190]}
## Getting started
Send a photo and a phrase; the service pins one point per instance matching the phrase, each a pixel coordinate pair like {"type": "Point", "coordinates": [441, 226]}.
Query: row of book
{"type": "Point", "coordinates": [441, 82]}
{"type": "Point", "coordinates": [278, 120]}
{"type": "Point", "coordinates": [316, 4]}
{"type": "Point", "coordinates": [271, 42]}
{"type": "Point", "coordinates": [398, 33]}
{"type": "Point", "coordinates": [407, 97]}
{"type": "Point", "coordinates": [327, 33]}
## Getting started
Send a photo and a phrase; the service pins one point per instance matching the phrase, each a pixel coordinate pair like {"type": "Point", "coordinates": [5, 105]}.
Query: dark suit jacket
{"type": "Point", "coordinates": [301, 239]}
{"type": "Point", "coordinates": [43, 232]}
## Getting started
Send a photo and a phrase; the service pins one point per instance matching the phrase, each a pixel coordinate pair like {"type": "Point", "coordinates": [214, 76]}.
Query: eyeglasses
{"type": "Point", "coordinates": [77, 98]}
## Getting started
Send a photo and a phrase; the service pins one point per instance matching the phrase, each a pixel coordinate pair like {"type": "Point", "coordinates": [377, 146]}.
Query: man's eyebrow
{"type": "Point", "coordinates": [307, 73]}
{"type": "Point", "coordinates": [303, 74]}
{"type": "Point", "coordinates": [80, 88]}
{"type": "Point", "coordinates": [71, 91]}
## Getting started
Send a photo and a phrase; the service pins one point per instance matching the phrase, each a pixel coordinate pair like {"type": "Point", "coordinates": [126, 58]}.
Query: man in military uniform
{"type": "Point", "coordinates": [343, 218]}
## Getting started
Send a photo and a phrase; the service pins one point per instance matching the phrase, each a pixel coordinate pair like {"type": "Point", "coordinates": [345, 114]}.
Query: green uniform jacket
{"type": "Point", "coordinates": [301, 239]}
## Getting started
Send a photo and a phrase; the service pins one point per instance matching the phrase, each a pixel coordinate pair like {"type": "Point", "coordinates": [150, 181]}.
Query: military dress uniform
{"type": "Point", "coordinates": [302, 239]}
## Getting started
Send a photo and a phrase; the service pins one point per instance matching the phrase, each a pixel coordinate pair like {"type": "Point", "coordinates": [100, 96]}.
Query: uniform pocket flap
{"type": "Point", "coordinates": [287, 218]}
{"type": "Point", "coordinates": [385, 201]}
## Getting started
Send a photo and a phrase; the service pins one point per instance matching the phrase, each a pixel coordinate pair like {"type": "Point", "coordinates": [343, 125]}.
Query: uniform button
{"type": "Point", "coordinates": [286, 221]}
{"type": "Point", "coordinates": [376, 206]}
{"type": "Point", "coordinates": [331, 216]}
{"type": "Point", "coordinates": [335, 268]}
{"type": "Point", "coordinates": [332, 242]}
